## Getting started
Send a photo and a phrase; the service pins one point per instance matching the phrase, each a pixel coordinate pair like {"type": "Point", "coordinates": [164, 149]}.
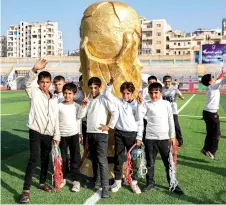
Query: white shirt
{"type": "Point", "coordinates": [69, 124]}
{"type": "Point", "coordinates": [60, 97]}
{"type": "Point", "coordinates": [213, 96]}
{"type": "Point", "coordinates": [127, 114]}
{"type": "Point", "coordinates": [145, 94]}
{"type": "Point", "coordinates": [43, 115]}
{"type": "Point", "coordinates": [97, 112]}
{"type": "Point", "coordinates": [159, 119]}
{"type": "Point", "coordinates": [170, 95]}
{"type": "Point", "coordinates": [79, 96]}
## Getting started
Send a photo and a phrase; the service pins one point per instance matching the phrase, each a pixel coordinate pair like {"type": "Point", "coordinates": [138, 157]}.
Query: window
{"type": "Point", "coordinates": [178, 44]}
{"type": "Point", "coordinates": [167, 46]}
{"type": "Point", "coordinates": [189, 43]}
{"type": "Point", "coordinates": [158, 25]}
{"type": "Point", "coordinates": [34, 48]}
{"type": "Point", "coordinates": [175, 52]}
{"type": "Point", "coordinates": [158, 33]}
{"type": "Point", "coordinates": [158, 42]}
{"type": "Point", "coordinates": [179, 52]}
{"type": "Point", "coordinates": [44, 36]}
{"type": "Point", "coordinates": [158, 51]}
{"type": "Point", "coordinates": [175, 43]}
{"type": "Point", "coordinates": [33, 31]}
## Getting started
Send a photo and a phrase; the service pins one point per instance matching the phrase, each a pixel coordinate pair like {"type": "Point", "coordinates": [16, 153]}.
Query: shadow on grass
{"type": "Point", "coordinates": [13, 145]}
{"type": "Point", "coordinates": [192, 159]}
{"type": "Point", "coordinates": [19, 130]}
{"type": "Point", "coordinates": [216, 170]}
{"type": "Point", "coordinates": [11, 190]}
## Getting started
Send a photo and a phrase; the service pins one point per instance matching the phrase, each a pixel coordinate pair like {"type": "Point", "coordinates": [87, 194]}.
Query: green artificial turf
{"type": "Point", "coordinates": [202, 180]}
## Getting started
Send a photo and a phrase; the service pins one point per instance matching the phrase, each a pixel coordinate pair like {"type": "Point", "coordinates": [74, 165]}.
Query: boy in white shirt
{"type": "Point", "coordinates": [43, 126]}
{"type": "Point", "coordinates": [70, 131]}
{"type": "Point", "coordinates": [211, 116]}
{"type": "Point", "coordinates": [146, 98]}
{"type": "Point", "coordinates": [96, 109]}
{"type": "Point", "coordinates": [59, 82]}
{"type": "Point", "coordinates": [170, 93]}
{"type": "Point", "coordinates": [128, 131]}
{"type": "Point", "coordinates": [159, 123]}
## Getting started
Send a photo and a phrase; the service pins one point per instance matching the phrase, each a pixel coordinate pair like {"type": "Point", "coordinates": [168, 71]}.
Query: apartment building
{"type": "Point", "coordinates": [34, 40]}
{"type": "Point", "coordinates": [179, 43]}
{"type": "Point", "coordinates": [224, 27]}
{"type": "Point", "coordinates": [3, 46]}
{"type": "Point", "coordinates": [157, 38]}
{"type": "Point", "coordinates": [153, 36]}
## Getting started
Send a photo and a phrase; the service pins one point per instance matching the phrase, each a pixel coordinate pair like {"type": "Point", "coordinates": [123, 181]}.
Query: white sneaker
{"type": "Point", "coordinates": [135, 187]}
{"type": "Point", "coordinates": [76, 186]}
{"type": "Point", "coordinates": [116, 186]}
{"type": "Point", "coordinates": [63, 183]}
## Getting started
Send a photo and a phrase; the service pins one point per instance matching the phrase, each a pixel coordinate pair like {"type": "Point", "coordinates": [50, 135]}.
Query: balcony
{"type": "Point", "coordinates": [180, 47]}
{"type": "Point", "coordinates": [147, 38]}
{"type": "Point", "coordinates": [182, 38]}
{"type": "Point", "coordinates": [146, 29]}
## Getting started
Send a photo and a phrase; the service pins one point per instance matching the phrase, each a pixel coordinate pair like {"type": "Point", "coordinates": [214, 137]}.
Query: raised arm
{"type": "Point", "coordinates": [82, 112]}
{"type": "Point", "coordinates": [31, 76]}
{"type": "Point", "coordinates": [108, 90]}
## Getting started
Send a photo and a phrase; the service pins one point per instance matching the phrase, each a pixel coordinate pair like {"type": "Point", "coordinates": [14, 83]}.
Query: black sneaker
{"type": "Point", "coordinates": [177, 190]}
{"type": "Point", "coordinates": [97, 185]}
{"type": "Point", "coordinates": [105, 192]}
{"type": "Point", "coordinates": [148, 187]}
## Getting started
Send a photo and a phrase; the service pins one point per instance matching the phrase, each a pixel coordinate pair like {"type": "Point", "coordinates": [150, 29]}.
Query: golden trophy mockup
{"type": "Point", "coordinates": [110, 36]}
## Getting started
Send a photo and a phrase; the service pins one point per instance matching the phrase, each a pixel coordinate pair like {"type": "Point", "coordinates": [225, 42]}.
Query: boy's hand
{"type": "Point", "coordinates": [139, 98]}
{"type": "Point", "coordinates": [174, 142]}
{"type": "Point", "coordinates": [85, 100]}
{"type": "Point", "coordinates": [138, 142]}
{"type": "Point", "coordinates": [80, 139]}
{"type": "Point", "coordinates": [39, 65]}
{"type": "Point", "coordinates": [112, 80]}
{"type": "Point", "coordinates": [56, 142]}
{"type": "Point", "coordinates": [104, 127]}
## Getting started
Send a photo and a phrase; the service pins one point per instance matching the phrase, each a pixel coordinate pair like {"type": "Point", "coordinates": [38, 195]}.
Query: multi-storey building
{"type": "Point", "coordinates": [158, 38]}
{"type": "Point", "coordinates": [224, 27]}
{"type": "Point", "coordinates": [34, 40]}
{"type": "Point", "coordinates": [153, 36]}
{"type": "Point", "coordinates": [3, 46]}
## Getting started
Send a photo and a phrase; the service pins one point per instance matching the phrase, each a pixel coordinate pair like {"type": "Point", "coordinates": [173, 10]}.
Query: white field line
{"type": "Point", "coordinates": [185, 104]}
{"type": "Point", "coordinates": [21, 113]}
{"type": "Point", "coordinates": [195, 116]}
{"type": "Point", "coordinates": [97, 196]}
{"type": "Point", "coordinates": [94, 198]}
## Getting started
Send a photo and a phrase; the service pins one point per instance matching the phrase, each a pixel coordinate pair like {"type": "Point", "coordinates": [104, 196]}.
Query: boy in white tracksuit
{"type": "Point", "coordinates": [128, 131]}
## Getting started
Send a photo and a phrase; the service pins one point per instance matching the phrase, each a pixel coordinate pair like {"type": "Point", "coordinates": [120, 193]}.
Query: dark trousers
{"type": "Point", "coordinates": [152, 147]}
{"type": "Point", "coordinates": [177, 129]}
{"type": "Point", "coordinates": [122, 140]}
{"type": "Point", "coordinates": [144, 132]}
{"type": "Point", "coordinates": [98, 146]}
{"type": "Point", "coordinates": [84, 128]}
{"type": "Point", "coordinates": [75, 157]}
{"type": "Point", "coordinates": [39, 144]}
{"type": "Point", "coordinates": [213, 132]}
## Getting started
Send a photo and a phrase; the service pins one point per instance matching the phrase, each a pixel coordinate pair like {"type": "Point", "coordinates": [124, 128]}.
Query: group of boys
{"type": "Point", "coordinates": [53, 117]}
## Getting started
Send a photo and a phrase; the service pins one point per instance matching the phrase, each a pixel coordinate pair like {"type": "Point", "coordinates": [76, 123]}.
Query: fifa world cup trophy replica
{"type": "Point", "coordinates": [110, 36]}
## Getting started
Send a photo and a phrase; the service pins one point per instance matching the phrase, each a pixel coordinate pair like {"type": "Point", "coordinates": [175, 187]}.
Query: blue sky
{"type": "Point", "coordinates": [184, 15]}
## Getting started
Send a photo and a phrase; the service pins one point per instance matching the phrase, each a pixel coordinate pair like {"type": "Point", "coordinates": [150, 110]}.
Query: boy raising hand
{"type": "Point", "coordinates": [43, 126]}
